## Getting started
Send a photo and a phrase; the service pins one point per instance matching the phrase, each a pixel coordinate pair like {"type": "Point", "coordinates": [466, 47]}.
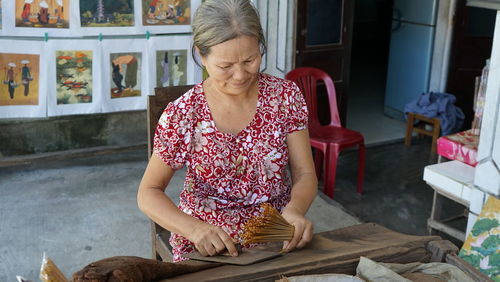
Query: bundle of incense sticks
{"type": "Point", "coordinates": [270, 226]}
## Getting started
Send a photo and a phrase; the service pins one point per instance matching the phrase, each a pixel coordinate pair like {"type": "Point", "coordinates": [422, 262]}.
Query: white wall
{"type": "Point", "coordinates": [487, 176]}
{"type": "Point", "coordinates": [277, 19]}
{"type": "Point", "coordinates": [442, 45]}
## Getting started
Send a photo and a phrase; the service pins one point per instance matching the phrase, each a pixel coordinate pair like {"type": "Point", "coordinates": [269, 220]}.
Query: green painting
{"type": "Point", "coordinates": [106, 13]}
{"type": "Point", "coordinates": [482, 247]}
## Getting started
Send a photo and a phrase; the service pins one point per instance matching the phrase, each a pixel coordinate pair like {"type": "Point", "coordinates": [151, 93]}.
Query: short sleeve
{"type": "Point", "coordinates": [295, 105]}
{"type": "Point", "coordinates": [171, 137]}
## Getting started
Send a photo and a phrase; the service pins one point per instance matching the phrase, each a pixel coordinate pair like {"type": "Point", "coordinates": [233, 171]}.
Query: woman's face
{"type": "Point", "coordinates": [233, 65]}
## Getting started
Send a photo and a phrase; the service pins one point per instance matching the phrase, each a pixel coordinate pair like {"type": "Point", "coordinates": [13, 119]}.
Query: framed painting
{"type": "Point", "coordinates": [37, 17]}
{"type": "Point", "coordinates": [42, 13]}
{"type": "Point", "coordinates": [0, 16]}
{"type": "Point", "coordinates": [73, 77]}
{"type": "Point", "coordinates": [167, 16]}
{"type": "Point", "coordinates": [124, 75]}
{"type": "Point", "coordinates": [171, 67]}
{"type": "Point", "coordinates": [170, 62]}
{"type": "Point", "coordinates": [23, 71]}
{"type": "Point", "coordinates": [108, 17]}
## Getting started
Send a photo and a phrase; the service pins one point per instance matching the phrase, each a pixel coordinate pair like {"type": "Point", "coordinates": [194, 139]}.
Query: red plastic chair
{"type": "Point", "coordinates": [328, 140]}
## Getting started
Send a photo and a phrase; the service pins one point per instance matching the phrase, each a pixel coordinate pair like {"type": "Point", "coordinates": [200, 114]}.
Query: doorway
{"type": "Point", "coordinates": [369, 61]}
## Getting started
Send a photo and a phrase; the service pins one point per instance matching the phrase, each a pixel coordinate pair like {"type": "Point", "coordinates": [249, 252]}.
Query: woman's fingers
{"type": "Point", "coordinates": [213, 241]}
{"type": "Point", "coordinates": [297, 235]}
{"type": "Point", "coordinates": [306, 235]}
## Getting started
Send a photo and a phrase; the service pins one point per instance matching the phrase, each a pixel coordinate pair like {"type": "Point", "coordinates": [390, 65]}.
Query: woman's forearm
{"type": "Point", "coordinates": [160, 208]}
{"type": "Point", "coordinates": [304, 191]}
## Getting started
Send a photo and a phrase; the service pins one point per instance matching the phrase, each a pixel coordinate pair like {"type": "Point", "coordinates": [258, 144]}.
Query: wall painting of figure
{"type": "Point", "coordinates": [166, 12]}
{"type": "Point", "coordinates": [171, 67]}
{"type": "Point", "coordinates": [42, 13]}
{"type": "Point", "coordinates": [74, 77]}
{"type": "Point", "coordinates": [20, 78]}
{"type": "Point", "coordinates": [125, 74]}
{"type": "Point", "coordinates": [106, 13]}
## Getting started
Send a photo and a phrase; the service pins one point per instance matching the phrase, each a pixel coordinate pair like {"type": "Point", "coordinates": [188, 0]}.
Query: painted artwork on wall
{"type": "Point", "coordinates": [125, 74]}
{"type": "Point", "coordinates": [106, 13]}
{"type": "Point", "coordinates": [0, 14]}
{"type": "Point", "coordinates": [74, 77]}
{"type": "Point", "coordinates": [481, 248]}
{"type": "Point", "coordinates": [166, 12]}
{"type": "Point", "coordinates": [20, 79]}
{"type": "Point", "coordinates": [42, 13]}
{"type": "Point", "coordinates": [171, 67]}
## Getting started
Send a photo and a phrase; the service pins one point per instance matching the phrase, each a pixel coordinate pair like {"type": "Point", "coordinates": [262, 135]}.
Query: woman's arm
{"type": "Point", "coordinates": [152, 200]}
{"type": "Point", "coordinates": [304, 188]}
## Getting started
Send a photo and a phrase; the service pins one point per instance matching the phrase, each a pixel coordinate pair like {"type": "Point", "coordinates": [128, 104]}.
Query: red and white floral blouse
{"type": "Point", "coordinates": [228, 176]}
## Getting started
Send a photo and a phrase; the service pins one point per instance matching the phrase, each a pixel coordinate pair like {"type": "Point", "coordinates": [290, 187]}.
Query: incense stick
{"type": "Point", "coordinates": [270, 226]}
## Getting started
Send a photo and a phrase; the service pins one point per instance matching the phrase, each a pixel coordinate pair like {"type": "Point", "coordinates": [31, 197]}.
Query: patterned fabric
{"type": "Point", "coordinates": [461, 146]}
{"type": "Point", "coordinates": [228, 176]}
{"type": "Point", "coordinates": [482, 247]}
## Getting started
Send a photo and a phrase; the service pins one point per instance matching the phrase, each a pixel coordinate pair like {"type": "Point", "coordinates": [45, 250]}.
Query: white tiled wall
{"type": "Point", "coordinates": [487, 172]}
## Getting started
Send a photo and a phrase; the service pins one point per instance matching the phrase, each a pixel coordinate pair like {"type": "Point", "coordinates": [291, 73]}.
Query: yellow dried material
{"type": "Point", "coordinates": [270, 226]}
{"type": "Point", "coordinates": [49, 272]}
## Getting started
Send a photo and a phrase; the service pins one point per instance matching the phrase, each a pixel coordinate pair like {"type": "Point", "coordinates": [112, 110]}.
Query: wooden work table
{"type": "Point", "coordinates": [336, 251]}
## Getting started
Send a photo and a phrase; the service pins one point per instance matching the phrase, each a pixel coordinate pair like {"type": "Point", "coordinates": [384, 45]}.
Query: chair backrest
{"type": "Point", "coordinates": [306, 79]}
{"type": "Point", "coordinates": [156, 105]}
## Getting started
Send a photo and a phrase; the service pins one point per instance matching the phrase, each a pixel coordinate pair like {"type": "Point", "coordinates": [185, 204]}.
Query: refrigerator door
{"type": "Point", "coordinates": [415, 11]}
{"type": "Point", "coordinates": [409, 66]}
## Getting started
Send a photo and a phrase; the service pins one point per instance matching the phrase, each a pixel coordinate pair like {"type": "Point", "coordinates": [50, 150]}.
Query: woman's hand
{"type": "Point", "coordinates": [303, 229]}
{"type": "Point", "coordinates": [211, 240]}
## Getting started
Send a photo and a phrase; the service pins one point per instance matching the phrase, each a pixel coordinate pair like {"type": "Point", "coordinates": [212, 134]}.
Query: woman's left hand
{"type": "Point", "coordinates": [303, 229]}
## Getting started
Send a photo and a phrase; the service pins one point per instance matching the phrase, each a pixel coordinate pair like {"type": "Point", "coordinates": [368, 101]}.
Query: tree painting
{"type": "Point", "coordinates": [125, 74]}
{"type": "Point", "coordinates": [42, 13]}
{"type": "Point", "coordinates": [20, 79]}
{"type": "Point", "coordinates": [166, 12]}
{"type": "Point", "coordinates": [74, 77]}
{"type": "Point", "coordinates": [106, 13]}
{"type": "Point", "coordinates": [481, 249]}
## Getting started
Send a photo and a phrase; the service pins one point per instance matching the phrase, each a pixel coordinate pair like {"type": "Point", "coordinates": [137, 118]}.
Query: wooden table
{"type": "Point", "coordinates": [335, 251]}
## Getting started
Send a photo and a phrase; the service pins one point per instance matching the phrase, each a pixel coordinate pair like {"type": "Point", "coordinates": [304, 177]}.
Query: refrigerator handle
{"type": "Point", "coordinates": [398, 18]}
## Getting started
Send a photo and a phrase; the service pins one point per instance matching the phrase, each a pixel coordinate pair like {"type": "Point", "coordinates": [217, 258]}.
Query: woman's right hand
{"type": "Point", "coordinates": [211, 240]}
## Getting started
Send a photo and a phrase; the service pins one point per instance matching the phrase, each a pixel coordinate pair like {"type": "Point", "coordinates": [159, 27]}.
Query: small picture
{"type": "Point", "coordinates": [166, 12]}
{"type": "Point", "coordinates": [125, 74]}
{"type": "Point", "coordinates": [74, 77]}
{"type": "Point", "coordinates": [0, 14]}
{"type": "Point", "coordinates": [20, 78]}
{"type": "Point", "coordinates": [106, 13]}
{"type": "Point", "coordinates": [42, 13]}
{"type": "Point", "coordinates": [171, 67]}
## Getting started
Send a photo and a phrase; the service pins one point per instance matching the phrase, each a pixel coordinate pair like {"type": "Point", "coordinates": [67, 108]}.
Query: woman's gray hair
{"type": "Point", "coordinates": [217, 21]}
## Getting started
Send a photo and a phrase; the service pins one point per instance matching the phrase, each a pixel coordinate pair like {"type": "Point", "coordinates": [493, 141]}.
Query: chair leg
{"type": "Point", "coordinates": [318, 162]}
{"type": "Point", "coordinates": [435, 135]}
{"type": "Point", "coordinates": [361, 167]}
{"type": "Point", "coordinates": [409, 129]}
{"type": "Point", "coordinates": [330, 170]}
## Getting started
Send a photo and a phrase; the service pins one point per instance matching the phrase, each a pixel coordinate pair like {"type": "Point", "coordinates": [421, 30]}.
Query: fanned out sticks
{"type": "Point", "coordinates": [270, 226]}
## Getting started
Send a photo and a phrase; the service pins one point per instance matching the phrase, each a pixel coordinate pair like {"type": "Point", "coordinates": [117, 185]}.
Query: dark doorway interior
{"type": "Point", "coordinates": [369, 59]}
{"type": "Point", "coordinates": [471, 46]}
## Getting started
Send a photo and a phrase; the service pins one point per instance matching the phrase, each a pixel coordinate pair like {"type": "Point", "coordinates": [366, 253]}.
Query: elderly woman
{"type": "Point", "coordinates": [235, 133]}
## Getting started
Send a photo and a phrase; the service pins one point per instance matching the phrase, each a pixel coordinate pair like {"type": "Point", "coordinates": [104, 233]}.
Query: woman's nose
{"type": "Point", "coordinates": [239, 73]}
